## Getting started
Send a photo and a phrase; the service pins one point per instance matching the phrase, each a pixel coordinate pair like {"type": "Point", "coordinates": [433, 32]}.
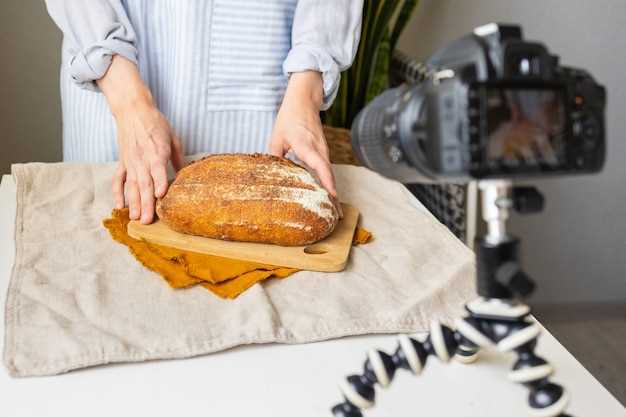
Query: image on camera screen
{"type": "Point", "coordinates": [525, 127]}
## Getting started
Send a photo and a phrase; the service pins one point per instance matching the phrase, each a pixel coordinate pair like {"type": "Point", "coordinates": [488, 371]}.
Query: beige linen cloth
{"type": "Point", "coordinates": [77, 298]}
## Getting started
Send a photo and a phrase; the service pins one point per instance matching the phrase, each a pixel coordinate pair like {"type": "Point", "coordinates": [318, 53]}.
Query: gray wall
{"type": "Point", "coordinates": [576, 249]}
{"type": "Point", "coordinates": [30, 114]}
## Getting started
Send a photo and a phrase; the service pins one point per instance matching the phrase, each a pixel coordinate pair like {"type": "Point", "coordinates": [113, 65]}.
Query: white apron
{"type": "Point", "coordinates": [214, 68]}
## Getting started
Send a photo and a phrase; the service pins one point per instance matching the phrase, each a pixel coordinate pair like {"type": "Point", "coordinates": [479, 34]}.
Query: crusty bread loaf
{"type": "Point", "coordinates": [253, 198]}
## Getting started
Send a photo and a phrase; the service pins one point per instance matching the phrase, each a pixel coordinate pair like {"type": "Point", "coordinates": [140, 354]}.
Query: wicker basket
{"type": "Point", "coordinates": [340, 146]}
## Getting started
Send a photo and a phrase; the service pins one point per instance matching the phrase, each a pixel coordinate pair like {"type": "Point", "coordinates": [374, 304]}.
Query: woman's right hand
{"type": "Point", "coordinates": [146, 142]}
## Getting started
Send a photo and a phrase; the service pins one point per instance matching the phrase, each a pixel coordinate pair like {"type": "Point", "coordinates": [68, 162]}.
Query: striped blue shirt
{"type": "Point", "coordinates": [217, 69]}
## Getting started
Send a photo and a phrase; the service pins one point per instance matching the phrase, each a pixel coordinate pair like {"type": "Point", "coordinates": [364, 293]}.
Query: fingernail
{"type": "Point", "coordinates": [134, 215]}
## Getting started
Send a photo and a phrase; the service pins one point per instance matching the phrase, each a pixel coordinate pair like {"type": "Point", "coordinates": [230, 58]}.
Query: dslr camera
{"type": "Point", "coordinates": [491, 105]}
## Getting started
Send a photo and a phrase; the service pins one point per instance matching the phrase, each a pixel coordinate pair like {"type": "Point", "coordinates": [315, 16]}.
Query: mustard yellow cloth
{"type": "Point", "coordinates": [226, 278]}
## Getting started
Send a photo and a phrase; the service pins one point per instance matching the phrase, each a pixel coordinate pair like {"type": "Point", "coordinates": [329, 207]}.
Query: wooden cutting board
{"type": "Point", "coordinates": [328, 255]}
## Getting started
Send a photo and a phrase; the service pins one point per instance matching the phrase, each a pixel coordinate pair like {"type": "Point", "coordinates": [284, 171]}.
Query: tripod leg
{"type": "Point", "coordinates": [380, 367]}
{"type": "Point", "coordinates": [546, 399]}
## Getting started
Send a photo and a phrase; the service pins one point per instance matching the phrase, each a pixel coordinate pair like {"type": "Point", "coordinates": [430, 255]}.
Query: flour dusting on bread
{"type": "Point", "coordinates": [316, 201]}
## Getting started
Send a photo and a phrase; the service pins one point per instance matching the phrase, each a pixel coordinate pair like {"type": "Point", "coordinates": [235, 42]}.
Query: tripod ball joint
{"type": "Point", "coordinates": [546, 399]}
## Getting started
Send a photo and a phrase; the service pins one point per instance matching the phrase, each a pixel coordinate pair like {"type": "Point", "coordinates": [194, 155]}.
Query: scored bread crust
{"type": "Point", "coordinates": [252, 198]}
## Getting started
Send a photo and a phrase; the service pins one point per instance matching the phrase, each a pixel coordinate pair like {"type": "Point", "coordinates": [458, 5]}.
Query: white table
{"type": "Point", "coordinates": [280, 380]}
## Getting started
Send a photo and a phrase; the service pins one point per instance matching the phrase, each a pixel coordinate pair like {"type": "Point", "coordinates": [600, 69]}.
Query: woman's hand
{"type": "Point", "coordinates": [145, 141]}
{"type": "Point", "coordinates": [298, 126]}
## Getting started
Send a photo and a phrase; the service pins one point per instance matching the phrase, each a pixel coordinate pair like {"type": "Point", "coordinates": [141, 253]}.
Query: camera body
{"type": "Point", "coordinates": [491, 106]}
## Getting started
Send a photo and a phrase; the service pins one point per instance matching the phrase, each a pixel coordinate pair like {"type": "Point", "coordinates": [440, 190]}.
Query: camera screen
{"type": "Point", "coordinates": [525, 127]}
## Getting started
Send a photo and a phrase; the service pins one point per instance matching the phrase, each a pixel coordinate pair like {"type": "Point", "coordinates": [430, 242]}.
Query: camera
{"type": "Point", "coordinates": [491, 105]}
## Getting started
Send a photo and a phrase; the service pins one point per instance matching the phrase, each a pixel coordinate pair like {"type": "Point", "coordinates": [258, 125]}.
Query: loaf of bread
{"type": "Point", "coordinates": [252, 198]}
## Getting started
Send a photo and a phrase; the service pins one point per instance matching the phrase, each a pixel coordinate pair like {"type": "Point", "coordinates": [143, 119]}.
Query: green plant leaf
{"type": "Point", "coordinates": [356, 71]}
{"type": "Point", "coordinates": [384, 12]}
{"type": "Point", "coordinates": [404, 16]}
{"type": "Point", "coordinates": [369, 73]}
{"type": "Point", "coordinates": [380, 76]}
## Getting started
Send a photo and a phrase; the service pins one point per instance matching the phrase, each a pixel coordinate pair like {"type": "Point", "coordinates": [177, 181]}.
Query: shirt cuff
{"type": "Point", "coordinates": [89, 65]}
{"type": "Point", "coordinates": [306, 58]}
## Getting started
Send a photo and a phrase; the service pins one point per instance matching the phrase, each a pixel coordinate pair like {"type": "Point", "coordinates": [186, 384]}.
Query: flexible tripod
{"type": "Point", "coordinates": [496, 319]}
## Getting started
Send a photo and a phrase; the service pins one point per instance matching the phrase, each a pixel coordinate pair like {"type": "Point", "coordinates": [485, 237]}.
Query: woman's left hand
{"type": "Point", "coordinates": [298, 127]}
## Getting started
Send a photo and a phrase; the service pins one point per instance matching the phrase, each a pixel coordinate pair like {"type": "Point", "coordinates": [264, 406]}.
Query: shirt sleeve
{"type": "Point", "coordinates": [93, 32]}
{"type": "Point", "coordinates": [325, 38]}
